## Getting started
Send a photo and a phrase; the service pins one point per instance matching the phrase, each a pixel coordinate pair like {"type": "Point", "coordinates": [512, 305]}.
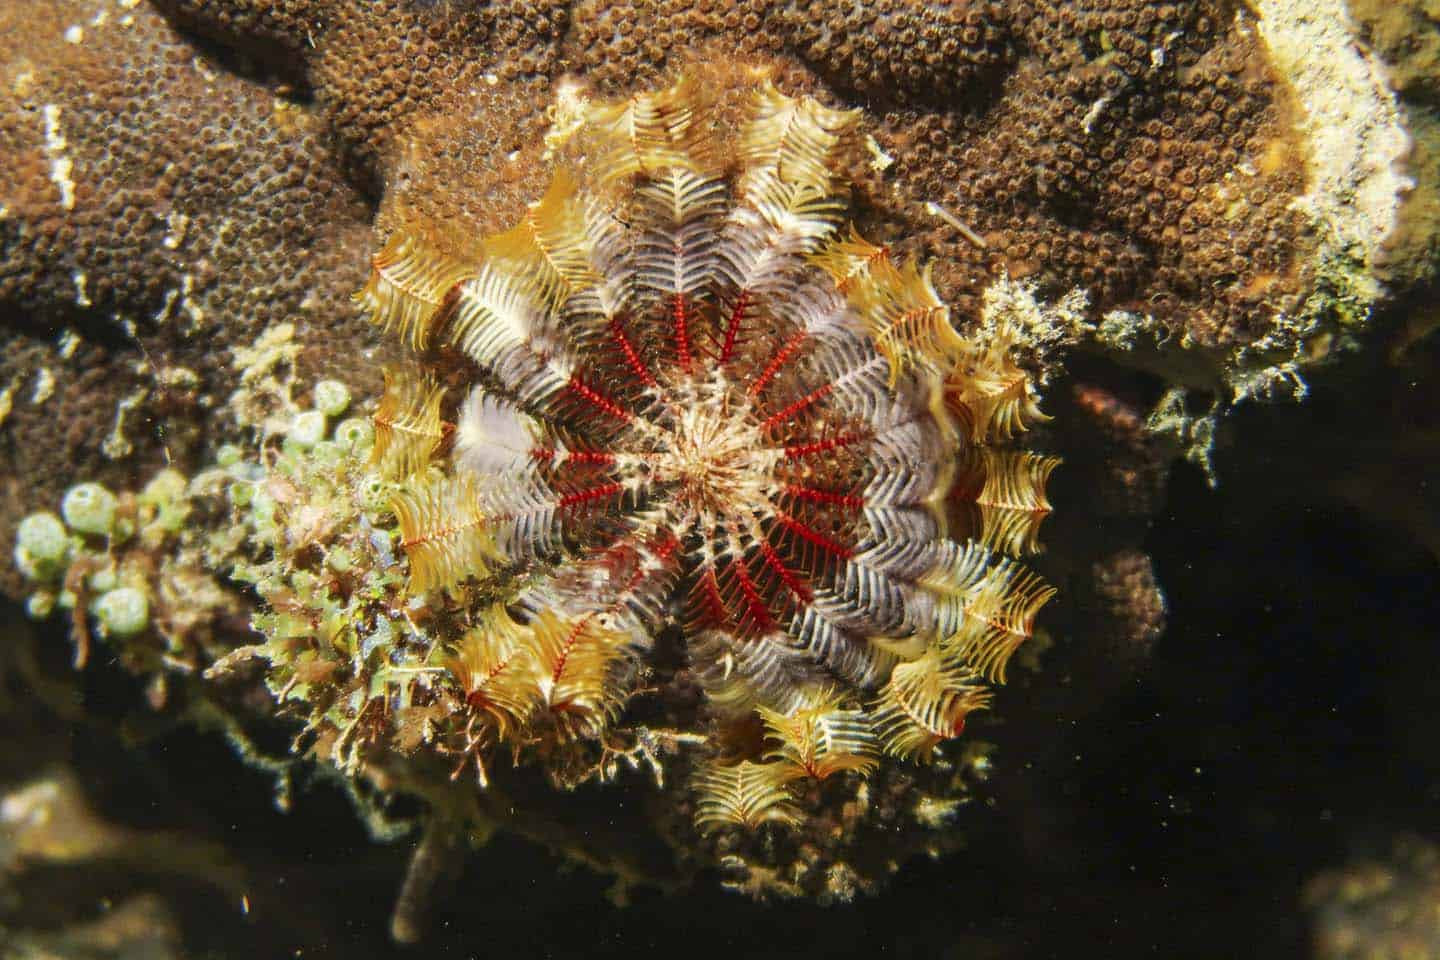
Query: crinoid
{"type": "Point", "coordinates": [707, 417]}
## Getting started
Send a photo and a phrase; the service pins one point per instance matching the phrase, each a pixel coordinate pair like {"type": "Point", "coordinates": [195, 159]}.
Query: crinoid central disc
{"type": "Point", "coordinates": [714, 457]}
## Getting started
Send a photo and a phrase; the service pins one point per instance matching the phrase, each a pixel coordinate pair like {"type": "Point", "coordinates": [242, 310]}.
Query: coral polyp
{"type": "Point", "coordinates": [712, 437]}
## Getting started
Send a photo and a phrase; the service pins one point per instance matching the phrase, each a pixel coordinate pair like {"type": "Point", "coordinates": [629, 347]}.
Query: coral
{"type": "Point", "coordinates": [1406, 38]}
{"type": "Point", "coordinates": [1127, 594]}
{"type": "Point", "coordinates": [193, 188]}
{"type": "Point", "coordinates": [1135, 464]}
{"type": "Point", "coordinates": [159, 209]}
{"type": "Point", "coordinates": [1027, 140]}
{"type": "Point", "coordinates": [49, 827]}
{"type": "Point", "coordinates": [1052, 137]}
{"type": "Point", "coordinates": [377, 67]}
{"type": "Point", "coordinates": [1049, 135]}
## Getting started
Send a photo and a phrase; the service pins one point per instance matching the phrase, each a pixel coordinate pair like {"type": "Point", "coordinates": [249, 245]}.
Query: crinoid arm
{"type": "Point", "coordinates": [999, 498]}
{"type": "Point", "coordinates": [991, 395]}
{"type": "Point", "coordinates": [823, 738]}
{"type": "Point", "coordinates": [852, 259]}
{"type": "Point", "coordinates": [410, 280]}
{"type": "Point", "coordinates": [408, 429]}
{"type": "Point", "coordinates": [495, 668]}
{"type": "Point", "coordinates": [798, 138]}
{"type": "Point", "coordinates": [677, 256]}
{"type": "Point", "coordinates": [999, 617]}
{"type": "Point", "coordinates": [492, 436]}
{"type": "Point", "coordinates": [908, 321]}
{"type": "Point", "coordinates": [926, 701]}
{"type": "Point", "coordinates": [493, 314]}
{"type": "Point", "coordinates": [651, 132]}
{"type": "Point", "coordinates": [552, 244]}
{"type": "Point", "coordinates": [577, 670]}
{"type": "Point", "coordinates": [955, 575]}
{"type": "Point", "coordinates": [444, 531]}
{"type": "Point", "coordinates": [738, 675]}
{"type": "Point", "coordinates": [745, 794]}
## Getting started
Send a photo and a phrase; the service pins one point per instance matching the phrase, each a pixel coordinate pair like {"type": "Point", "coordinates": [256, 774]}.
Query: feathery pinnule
{"type": "Point", "coordinates": [999, 617]}
{"type": "Point", "coordinates": [746, 794]}
{"type": "Point", "coordinates": [798, 138]}
{"type": "Point", "coordinates": [851, 259]}
{"type": "Point", "coordinates": [952, 580]}
{"type": "Point", "coordinates": [1004, 493]}
{"type": "Point", "coordinates": [789, 219]}
{"type": "Point", "coordinates": [410, 279]}
{"type": "Point", "coordinates": [991, 395]}
{"type": "Point", "coordinates": [823, 738]}
{"type": "Point", "coordinates": [444, 531]}
{"type": "Point", "coordinates": [551, 246]}
{"type": "Point", "coordinates": [408, 429]}
{"type": "Point", "coordinates": [492, 436]}
{"type": "Point", "coordinates": [906, 318]}
{"type": "Point", "coordinates": [493, 314]}
{"type": "Point", "coordinates": [925, 701]}
{"type": "Point", "coordinates": [650, 132]}
{"type": "Point", "coordinates": [495, 668]}
{"type": "Point", "coordinates": [677, 251]}
{"type": "Point", "coordinates": [576, 660]}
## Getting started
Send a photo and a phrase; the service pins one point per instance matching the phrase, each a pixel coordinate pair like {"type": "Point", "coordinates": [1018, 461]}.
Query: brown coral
{"type": "Point", "coordinates": [1055, 135]}
{"type": "Point", "coordinates": [158, 211]}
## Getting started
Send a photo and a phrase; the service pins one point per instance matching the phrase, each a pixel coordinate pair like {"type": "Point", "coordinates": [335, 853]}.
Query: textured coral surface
{"type": "Point", "coordinates": [158, 209]}
{"type": "Point", "coordinates": [193, 189]}
{"type": "Point", "coordinates": [173, 196]}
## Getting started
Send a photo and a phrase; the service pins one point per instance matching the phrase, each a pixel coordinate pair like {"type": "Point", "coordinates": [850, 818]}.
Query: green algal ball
{"type": "Point", "coordinates": [308, 428]}
{"type": "Point", "coordinates": [165, 487]}
{"type": "Point", "coordinates": [41, 544]}
{"type": "Point", "coordinates": [326, 453]}
{"type": "Point", "coordinates": [331, 397]}
{"type": "Point", "coordinates": [122, 612]}
{"type": "Point", "coordinates": [89, 508]}
{"type": "Point", "coordinates": [228, 455]}
{"type": "Point", "coordinates": [372, 493]}
{"type": "Point", "coordinates": [241, 493]}
{"type": "Point", "coordinates": [39, 605]}
{"type": "Point", "coordinates": [102, 581]}
{"type": "Point", "coordinates": [262, 512]}
{"type": "Point", "coordinates": [340, 560]}
{"type": "Point", "coordinates": [355, 434]}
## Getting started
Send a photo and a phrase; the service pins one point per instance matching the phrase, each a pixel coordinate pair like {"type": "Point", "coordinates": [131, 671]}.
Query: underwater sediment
{"type": "Point", "coordinates": [1160, 211]}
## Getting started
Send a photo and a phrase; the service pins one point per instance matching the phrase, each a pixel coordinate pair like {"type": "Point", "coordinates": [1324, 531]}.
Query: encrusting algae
{"type": "Point", "coordinates": [686, 475]}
